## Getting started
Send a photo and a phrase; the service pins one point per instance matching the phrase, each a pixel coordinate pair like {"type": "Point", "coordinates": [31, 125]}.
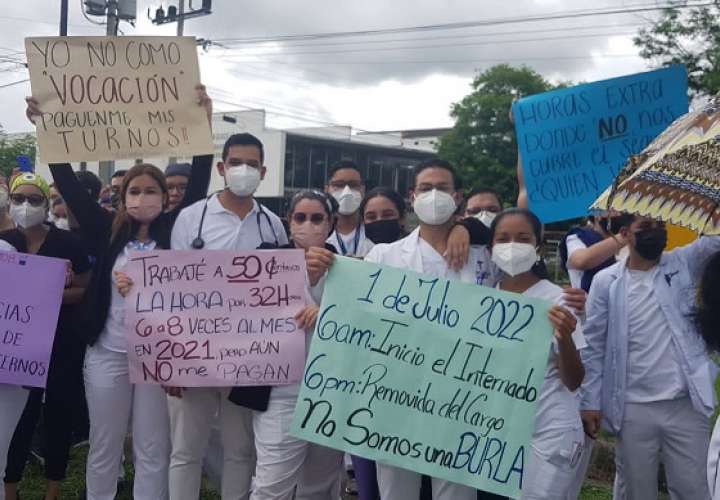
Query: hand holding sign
{"type": "Point", "coordinates": [214, 319]}
{"type": "Point", "coordinates": [431, 375]}
{"type": "Point", "coordinates": [100, 98]}
{"type": "Point", "coordinates": [573, 141]}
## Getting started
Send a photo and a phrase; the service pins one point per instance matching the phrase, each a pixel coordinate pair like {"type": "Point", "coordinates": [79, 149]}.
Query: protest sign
{"type": "Point", "coordinates": [574, 141]}
{"type": "Point", "coordinates": [215, 318]}
{"type": "Point", "coordinates": [30, 298]}
{"type": "Point", "coordinates": [431, 375]}
{"type": "Point", "coordinates": [105, 98]}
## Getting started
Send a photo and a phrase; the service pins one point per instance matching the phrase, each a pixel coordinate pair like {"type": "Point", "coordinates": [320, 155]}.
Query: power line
{"type": "Point", "coordinates": [442, 61]}
{"type": "Point", "coordinates": [14, 83]}
{"type": "Point", "coordinates": [439, 46]}
{"type": "Point", "coordinates": [468, 24]}
{"type": "Point", "coordinates": [231, 45]}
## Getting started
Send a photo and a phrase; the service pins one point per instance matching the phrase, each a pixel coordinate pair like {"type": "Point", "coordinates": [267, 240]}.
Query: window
{"type": "Point", "coordinates": [302, 166]}
{"type": "Point", "coordinates": [318, 164]}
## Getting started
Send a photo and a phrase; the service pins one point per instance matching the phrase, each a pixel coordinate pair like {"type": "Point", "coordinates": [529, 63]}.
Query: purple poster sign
{"type": "Point", "coordinates": [216, 318]}
{"type": "Point", "coordinates": [31, 289]}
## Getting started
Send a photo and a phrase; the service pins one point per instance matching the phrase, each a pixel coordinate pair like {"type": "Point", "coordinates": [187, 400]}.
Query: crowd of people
{"type": "Point", "coordinates": [630, 351]}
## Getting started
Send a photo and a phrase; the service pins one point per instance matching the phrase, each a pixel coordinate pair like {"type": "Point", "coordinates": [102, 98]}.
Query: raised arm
{"type": "Point", "coordinates": [94, 220]}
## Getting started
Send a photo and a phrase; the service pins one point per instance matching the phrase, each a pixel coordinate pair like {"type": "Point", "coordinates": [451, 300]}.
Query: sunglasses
{"type": "Point", "coordinates": [316, 219]}
{"type": "Point", "coordinates": [35, 200]}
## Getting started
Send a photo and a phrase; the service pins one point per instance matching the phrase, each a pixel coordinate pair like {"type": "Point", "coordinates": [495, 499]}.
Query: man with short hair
{"type": "Point", "coordinates": [177, 177]}
{"type": "Point", "coordinates": [649, 379]}
{"type": "Point", "coordinates": [346, 185]}
{"type": "Point", "coordinates": [483, 204]}
{"type": "Point", "coordinates": [435, 196]}
{"type": "Point", "coordinates": [116, 180]}
{"type": "Point", "coordinates": [229, 220]}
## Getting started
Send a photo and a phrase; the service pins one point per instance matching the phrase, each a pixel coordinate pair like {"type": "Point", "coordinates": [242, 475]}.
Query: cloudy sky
{"type": "Point", "coordinates": [390, 81]}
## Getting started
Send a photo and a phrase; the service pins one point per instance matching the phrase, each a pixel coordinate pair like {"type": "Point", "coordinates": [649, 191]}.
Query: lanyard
{"type": "Point", "coordinates": [356, 240]}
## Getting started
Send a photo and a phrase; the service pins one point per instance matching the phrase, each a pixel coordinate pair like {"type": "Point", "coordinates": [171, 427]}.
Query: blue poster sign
{"type": "Point", "coordinates": [574, 141]}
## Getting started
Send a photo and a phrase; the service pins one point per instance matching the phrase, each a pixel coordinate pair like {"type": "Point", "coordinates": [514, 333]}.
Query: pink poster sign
{"type": "Point", "coordinates": [216, 318]}
{"type": "Point", "coordinates": [31, 289]}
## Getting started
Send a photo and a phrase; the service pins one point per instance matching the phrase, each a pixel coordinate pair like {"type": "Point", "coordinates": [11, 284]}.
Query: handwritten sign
{"type": "Point", "coordinates": [107, 98]}
{"type": "Point", "coordinates": [215, 318]}
{"type": "Point", "coordinates": [574, 141]}
{"type": "Point", "coordinates": [431, 375]}
{"type": "Point", "coordinates": [30, 298]}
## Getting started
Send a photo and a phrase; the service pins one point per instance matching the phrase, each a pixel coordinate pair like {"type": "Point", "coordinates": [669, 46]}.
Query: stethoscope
{"type": "Point", "coordinates": [356, 241]}
{"type": "Point", "coordinates": [199, 243]}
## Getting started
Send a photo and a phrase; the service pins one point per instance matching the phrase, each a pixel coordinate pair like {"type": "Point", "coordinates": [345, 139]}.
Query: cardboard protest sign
{"type": "Point", "coordinates": [30, 298]}
{"type": "Point", "coordinates": [215, 318]}
{"type": "Point", "coordinates": [574, 141]}
{"type": "Point", "coordinates": [105, 98]}
{"type": "Point", "coordinates": [431, 375]}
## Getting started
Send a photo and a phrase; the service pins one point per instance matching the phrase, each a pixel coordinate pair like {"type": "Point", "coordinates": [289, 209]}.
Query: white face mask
{"type": "Point", "coordinates": [4, 198]}
{"type": "Point", "coordinates": [243, 180]}
{"type": "Point", "coordinates": [348, 200]}
{"type": "Point", "coordinates": [486, 217]}
{"type": "Point", "coordinates": [62, 223]}
{"type": "Point", "coordinates": [434, 207]}
{"type": "Point", "coordinates": [26, 215]}
{"type": "Point", "coordinates": [514, 258]}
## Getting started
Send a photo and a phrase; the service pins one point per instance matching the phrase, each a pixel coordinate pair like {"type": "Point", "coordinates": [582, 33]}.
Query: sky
{"type": "Point", "coordinates": [394, 81]}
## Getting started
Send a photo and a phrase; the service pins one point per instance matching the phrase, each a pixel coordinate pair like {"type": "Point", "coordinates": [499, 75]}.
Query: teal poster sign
{"type": "Point", "coordinates": [427, 374]}
{"type": "Point", "coordinates": [574, 141]}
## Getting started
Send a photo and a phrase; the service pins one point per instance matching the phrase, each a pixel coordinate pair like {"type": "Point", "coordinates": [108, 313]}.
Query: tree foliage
{"type": "Point", "coordinates": [482, 143]}
{"type": "Point", "coordinates": [11, 148]}
{"type": "Point", "coordinates": [689, 36]}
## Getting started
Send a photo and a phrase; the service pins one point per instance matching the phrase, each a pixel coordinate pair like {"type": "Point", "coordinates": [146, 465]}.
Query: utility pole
{"type": "Point", "coordinates": [106, 168]}
{"type": "Point", "coordinates": [63, 17]}
{"type": "Point", "coordinates": [181, 18]}
{"type": "Point", "coordinates": [112, 18]}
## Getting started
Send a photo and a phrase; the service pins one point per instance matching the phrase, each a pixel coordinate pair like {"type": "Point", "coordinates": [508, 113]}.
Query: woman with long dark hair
{"type": "Point", "coordinates": [113, 402]}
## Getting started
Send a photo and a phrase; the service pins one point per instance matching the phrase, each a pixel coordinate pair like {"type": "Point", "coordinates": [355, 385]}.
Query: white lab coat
{"type": "Point", "coordinates": [405, 254]}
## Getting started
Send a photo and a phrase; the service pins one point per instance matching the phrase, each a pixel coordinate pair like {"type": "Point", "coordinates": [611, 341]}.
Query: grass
{"type": "Point", "coordinates": [33, 485]}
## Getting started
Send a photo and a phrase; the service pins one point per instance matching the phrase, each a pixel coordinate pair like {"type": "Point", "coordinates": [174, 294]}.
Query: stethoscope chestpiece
{"type": "Point", "coordinates": [198, 243]}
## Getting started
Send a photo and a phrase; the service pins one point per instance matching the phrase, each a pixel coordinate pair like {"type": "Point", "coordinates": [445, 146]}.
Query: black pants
{"type": "Point", "coordinates": [59, 413]}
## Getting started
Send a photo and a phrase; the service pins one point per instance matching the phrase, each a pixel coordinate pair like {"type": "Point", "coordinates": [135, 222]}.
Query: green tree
{"type": "Point", "coordinates": [11, 148]}
{"type": "Point", "coordinates": [482, 143]}
{"type": "Point", "coordinates": [689, 36]}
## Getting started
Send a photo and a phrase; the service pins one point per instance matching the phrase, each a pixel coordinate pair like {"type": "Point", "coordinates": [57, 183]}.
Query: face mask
{"type": "Point", "coordinates": [651, 243]}
{"type": "Point", "coordinates": [486, 217]}
{"type": "Point", "coordinates": [514, 258]}
{"type": "Point", "coordinates": [242, 180]}
{"type": "Point", "coordinates": [383, 231]}
{"type": "Point", "coordinates": [308, 235]}
{"type": "Point", "coordinates": [4, 197]}
{"type": "Point", "coordinates": [27, 216]}
{"type": "Point", "coordinates": [62, 223]}
{"type": "Point", "coordinates": [434, 207]}
{"type": "Point", "coordinates": [348, 200]}
{"type": "Point", "coordinates": [145, 208]}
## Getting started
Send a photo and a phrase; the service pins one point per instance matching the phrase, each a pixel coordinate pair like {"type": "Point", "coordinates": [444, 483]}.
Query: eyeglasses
{"type": "Point", "coordinates": [180, 188]}
{"type": "Point", "coordinates": [300, 218]}
{"type": "Point", "coordinates": [339, 185]}
{"type": "Point", "coordinates": [35, 200]}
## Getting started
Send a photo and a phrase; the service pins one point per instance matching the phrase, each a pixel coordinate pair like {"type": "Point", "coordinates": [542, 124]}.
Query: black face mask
{"type": "Point", "coordinates": [650, 243]}
{"type": "Point", "coordinates": [383, 231]}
